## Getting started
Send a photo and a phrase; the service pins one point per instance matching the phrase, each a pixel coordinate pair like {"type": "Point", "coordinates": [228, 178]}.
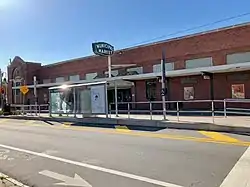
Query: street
{"type": "Point", "coordinates": [39, 153]}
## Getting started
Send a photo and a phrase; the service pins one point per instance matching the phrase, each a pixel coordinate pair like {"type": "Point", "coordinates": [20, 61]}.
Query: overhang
{"type": "Point", "coordinates": [175, 73]}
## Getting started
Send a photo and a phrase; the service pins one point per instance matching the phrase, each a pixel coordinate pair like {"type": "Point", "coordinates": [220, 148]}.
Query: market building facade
{"type": "Point", "coordinates": [213, 65]}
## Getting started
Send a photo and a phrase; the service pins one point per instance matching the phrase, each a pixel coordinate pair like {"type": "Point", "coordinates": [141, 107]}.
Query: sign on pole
{"type": "Point", "coordinates": [24, 89]}
{"type": "Point", "coordinates": [102, 48]}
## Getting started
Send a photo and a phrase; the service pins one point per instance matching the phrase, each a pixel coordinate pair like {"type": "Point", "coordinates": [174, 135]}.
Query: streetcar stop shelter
{"type": "Point", "coordinates": [87, 99]}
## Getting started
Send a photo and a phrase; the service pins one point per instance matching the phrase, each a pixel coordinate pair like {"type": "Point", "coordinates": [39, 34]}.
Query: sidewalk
{"type": "Point", "coordinates": [243, 121]}
{"type": "Point", "coordinates": [233, 124]}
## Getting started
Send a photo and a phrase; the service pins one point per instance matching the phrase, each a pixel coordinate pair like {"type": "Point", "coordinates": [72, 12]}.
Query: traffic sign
{"type": "Point", "coordinates": [24, 89]}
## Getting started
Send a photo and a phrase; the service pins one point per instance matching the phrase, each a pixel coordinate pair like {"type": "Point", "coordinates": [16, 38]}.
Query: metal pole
{"type": "Point", "coordinates": [110, 112]}
{"type": "Point", "coordinates": [128, 110]}
{"type": "Point", "coordinates": [35, 94]}
{"type": "Point", "coordinates": [109, 66]}
{"type": "Point", "coordinates": [213, 110]}
{"type": "Point", "coordinates": [116, 101]}
{"type": "Point", "coordinates": [1, 82]}
{"type": "Point", "coordinates": [106, 100]}
{"type": "Point", "coordinates": [39, 110]}
{"type": "Point", "coordinates": [74, 92]}
{"type": "Point", "coordinates": [225, 108]}
{"type": "Point", "coordinates": [178, 111]}
{"type": "Point", "coordinates": [163, 84]}
{"type": "Point", "coordinates": [50, 109]}
{"type": "Point", "coordinates": [23, 97]}
{"type": "Point", "coordinates": [150, 108]}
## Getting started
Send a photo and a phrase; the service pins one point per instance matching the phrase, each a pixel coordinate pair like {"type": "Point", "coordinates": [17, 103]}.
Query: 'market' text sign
{"type": "Point", "coordinates": [102, 48]}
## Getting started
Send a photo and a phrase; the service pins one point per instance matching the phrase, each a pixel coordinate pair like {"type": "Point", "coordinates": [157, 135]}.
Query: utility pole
{"type": "Point", "coordinates": [163, 84]}
{"type": "Point", "coordinates": [109, 66]}
{"type": "Point", "coordinates": [35, 94]}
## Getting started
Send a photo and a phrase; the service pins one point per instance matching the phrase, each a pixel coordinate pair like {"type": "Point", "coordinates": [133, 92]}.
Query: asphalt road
{"type": "Point", "coordinates": [47, 153]}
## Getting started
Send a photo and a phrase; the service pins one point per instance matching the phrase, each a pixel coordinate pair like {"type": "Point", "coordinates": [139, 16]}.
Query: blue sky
{"type": "Point", "coordinates": [48, 31]}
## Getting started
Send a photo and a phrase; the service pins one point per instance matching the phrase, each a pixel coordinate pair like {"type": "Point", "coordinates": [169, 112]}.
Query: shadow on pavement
{"type": "Point", "coordinates": [137, 128]}
{"type": "Point", "coordinates": [48, 122]}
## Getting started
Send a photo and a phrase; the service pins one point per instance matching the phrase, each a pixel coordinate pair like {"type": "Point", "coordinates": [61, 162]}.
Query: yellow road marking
{"type": "Point", "coordinates": [148, 134]}
{"type": "Point", "coordinates": [66, 124]}
{"type": "Point", "coordinates": [155, 135]}
{"type": "Point", "coordinates": [219, 136]}
{"type": "Point", "coordinates": [122, 128]}
{"type": "Point", "coordinates": [4, 120]}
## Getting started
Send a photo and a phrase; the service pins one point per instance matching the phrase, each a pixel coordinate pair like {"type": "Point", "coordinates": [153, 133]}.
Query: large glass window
{"type": "Point", "coordinates": [60, 79]}
{"type": "Point", "coordinates": [168, 67]}
{"type": "Point", "coordinates": [74, 78]}
{"type": "Point", "coordinates": [135, 70]}
{"type": "Point", "coordinates": [238, 58]}
{"type": "Point", "coordinates": [91, 76]}
{"type": "Point", "coordinates": [198, 63]}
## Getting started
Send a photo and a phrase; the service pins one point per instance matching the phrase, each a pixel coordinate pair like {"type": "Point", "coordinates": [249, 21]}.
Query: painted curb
{"type": "Point", "coordinates": [142, 123]}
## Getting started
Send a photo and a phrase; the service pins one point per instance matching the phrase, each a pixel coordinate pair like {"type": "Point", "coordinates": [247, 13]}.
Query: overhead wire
{"type": "Point", "coordinates": [191, 29]}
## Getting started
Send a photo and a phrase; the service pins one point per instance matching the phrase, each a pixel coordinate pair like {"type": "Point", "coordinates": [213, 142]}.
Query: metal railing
{"type": "Point", "coordinates": [30, 109]}
{"type": "Point", "coordinates": [178, 108]}
{"type": "Point", "coordinates": [212, 108]}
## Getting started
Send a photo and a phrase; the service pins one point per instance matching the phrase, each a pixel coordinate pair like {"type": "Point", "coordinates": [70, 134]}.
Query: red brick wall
{"type": "Point", "coordinates": [215, 44]}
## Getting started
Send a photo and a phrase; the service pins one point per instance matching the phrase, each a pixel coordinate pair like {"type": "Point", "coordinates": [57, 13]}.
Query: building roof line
{"type": "Point", "coordinates": [156, 43]}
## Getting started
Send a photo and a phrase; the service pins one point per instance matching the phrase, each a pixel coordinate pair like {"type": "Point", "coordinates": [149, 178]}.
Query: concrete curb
{"type": "Point", "coordinates": [7, 181]}
{"type": "Point", "coordinates": [142, 123]}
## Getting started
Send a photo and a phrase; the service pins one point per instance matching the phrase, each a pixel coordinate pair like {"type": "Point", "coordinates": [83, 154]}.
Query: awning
{"type": "Point", "coordinates": [175, 73]}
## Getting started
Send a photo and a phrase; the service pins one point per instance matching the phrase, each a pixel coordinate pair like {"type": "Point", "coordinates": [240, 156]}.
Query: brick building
{"type": "Point", "coordinates": [223, 55]}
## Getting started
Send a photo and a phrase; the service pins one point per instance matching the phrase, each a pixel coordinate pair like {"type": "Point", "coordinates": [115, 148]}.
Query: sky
{"type": "Point", "coordinates": [49, 31]}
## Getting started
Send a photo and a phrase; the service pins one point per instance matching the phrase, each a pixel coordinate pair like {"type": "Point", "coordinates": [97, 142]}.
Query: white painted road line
{"type": "Point", "coordinates": [106, 170]}
{"type": "Point", "coordinates": [239, 176]}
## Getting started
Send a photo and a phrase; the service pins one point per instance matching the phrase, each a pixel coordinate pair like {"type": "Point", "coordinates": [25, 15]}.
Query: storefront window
{"type": "Point", "coordinates": [238, 91]}
{"type": "Point", "coordinates": [188, 93]}
{"type": "Point", "coordinates": [151, 90]}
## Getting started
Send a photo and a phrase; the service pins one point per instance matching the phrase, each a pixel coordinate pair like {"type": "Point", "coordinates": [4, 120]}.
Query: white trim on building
{"type": "Point", "coordinates": [175, 73]}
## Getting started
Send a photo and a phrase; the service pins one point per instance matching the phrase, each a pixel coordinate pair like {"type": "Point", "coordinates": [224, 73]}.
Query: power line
{"type": "Point", "coordinates": [191, 29]}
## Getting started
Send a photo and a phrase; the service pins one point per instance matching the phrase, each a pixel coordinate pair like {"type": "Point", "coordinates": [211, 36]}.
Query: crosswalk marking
{"type": "Point", "coordinates": [122, 128]}
{"type": "Point", "coordinates": [218, 136]}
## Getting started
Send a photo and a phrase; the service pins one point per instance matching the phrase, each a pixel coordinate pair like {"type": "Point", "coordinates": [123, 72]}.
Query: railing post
{"type": "Point", "coordinates": [128, 110]}
{"type": "Point", "coordinates": [39, 110]}
{"type": "Point", "coordinates": [213, 110]}
{"type": "Point", "coordinates": [178, 111]}
{"type": "Point", "coordinates": [150, 109]}
{"type": "Point", "coordinates": [225, 108]}
{"type": "Point", "coordinates": [110, 110]}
